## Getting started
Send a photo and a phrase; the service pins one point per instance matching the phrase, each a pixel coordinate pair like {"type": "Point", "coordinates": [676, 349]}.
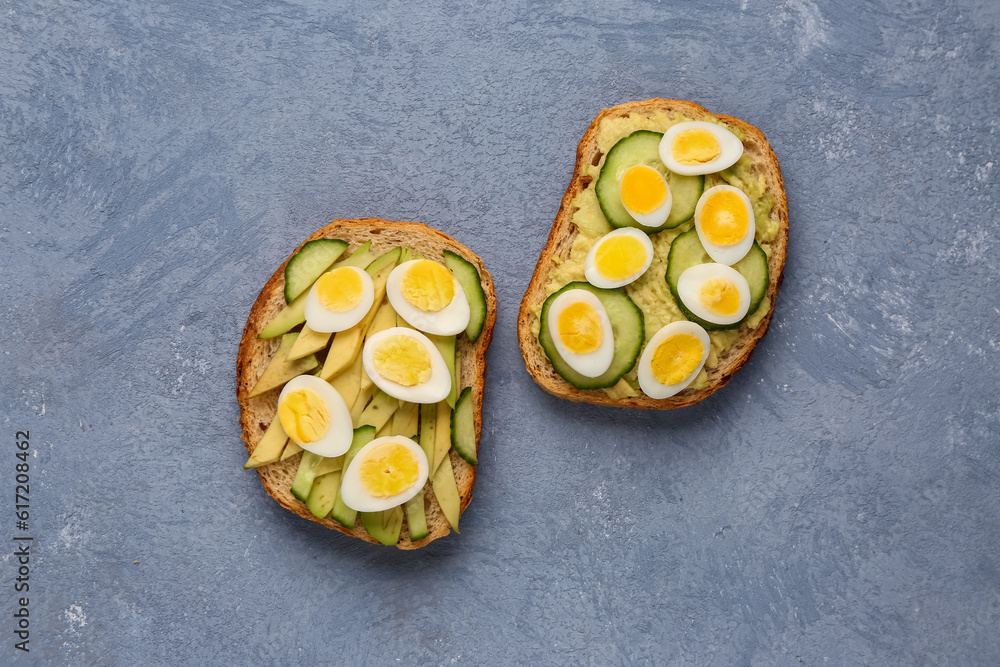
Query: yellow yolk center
{"type": "Point", "coordinates": [695, 146]}
{"type": "Point", "coordinates": [676, 358]}
{"type": "Point", "coordinates": [339, 290]}
{"type": "Point", "coordinates": [724, 218]}
{"type": "Point", "coordinates": [403, 360]}
{"type": "Point", "coordinates": [619, 257]}
{"type": "Point", "coordinates": [304, 416]}
{"type": "Point", "coordinates": [389, 469]}
{"type": "Point", "coordinates": [579, 328]}
{"type": "Point", "coordinates": [643, 190]}
{"type": "Point", "coordinates": [720, 296]}
{"type": "Point", "coordinates": [428, 286]}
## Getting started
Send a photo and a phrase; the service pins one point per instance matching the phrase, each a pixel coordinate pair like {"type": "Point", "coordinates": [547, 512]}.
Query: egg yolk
{"type": "Point", "coordinates": [643, 189]}
{"type": "Point", "coordinates": [619, 257]}
{"type": "Point", "coordinates": [403, 360]}
{"type": "Point", "coordinates": [339, 290]}
{"type": "Point", "coordinates": [428, 286]}
{"type": "Point", "coordinates": [388, 469]}
{"type": "Point", "coordinates": [696, 146]}
{"type": "Point", "coordinates": [676, 358]}
{"type": "Point", "coordinates": [724, 219]}
{"type": "Point", "coordinates": [304, 416]}
{"type": "Point", "coordinates": [720, 296]}
{"type": "Point", "coordinates": [579, 328]}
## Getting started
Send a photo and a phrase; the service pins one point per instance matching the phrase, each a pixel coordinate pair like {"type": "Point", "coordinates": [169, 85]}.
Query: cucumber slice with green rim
{"type": "Point", "coordinates": [687, 251]}
{"type": "Point", "coordinates": [468, 277]}
{"type": "Point", "coordinates": [643, 147]}
{"type": "Point", "coordinates": [627, 327]}
{"type": "Point", "coordinates": [463, 427]}
{"type": "Point", "coordinates": [686, 191]}
{"type": "Point", "coordinates": [416, 518]}
{"type": "Point", "coordinates": [341, 512]}
{"type": "Point", "coordinates": [294, 313]}
{"type": "Point", "coordinates": [384, 526]}
{"type": "Point", "coordinates": [309, 263]}
{"type": "Point", "coordinates": [305, 475]}
{"type": "Point", "coordinates": [323, 494]}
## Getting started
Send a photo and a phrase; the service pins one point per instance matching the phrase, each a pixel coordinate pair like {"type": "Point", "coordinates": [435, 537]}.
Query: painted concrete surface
{"type": "Point", "coordinates": [837, 503]}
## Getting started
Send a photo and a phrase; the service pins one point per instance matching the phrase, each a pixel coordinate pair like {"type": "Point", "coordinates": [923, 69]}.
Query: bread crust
{"type": "Point", "coordinates": [564, 232]}
{"type": "Point", "coordinates": [256, 413]}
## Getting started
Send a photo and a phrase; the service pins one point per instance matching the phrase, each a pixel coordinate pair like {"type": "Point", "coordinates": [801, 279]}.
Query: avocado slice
{"type": "Point", "coordinates": [280, 370]}
{"type": "Point", "coordinates": [347, 344]}
{"type": "Point", "coordinates": [389, 259]}
{"type": "Point", "coordinates": [446, 346]}
{"type": "Point", "coordinates": [446, 492]}
{"type": "Point", "coordinates": [291, 315]}
{"type": "Point", "coordinates": [428, 423]}
{"type": "Point", "coordinates": [405, 420]}
{"type": "Point", "coordinates": [269, 449]}
{"type": "Point", "coordinates": [308, 342]}
{"type": "Point", "coordinates": [360, 258]}
{"type": "Point", "coordinates": [328, 465]}
{"type": "Point", "coordinates": [379, 411]}
{"type": "Point", "coordinates": [442, 436]}
{"type": "Point", "coordinates": [348, 383]}
{"type": "Point", "coordinates": [364, 397]}
{"type": "Point", "coordinates": [291, 449]}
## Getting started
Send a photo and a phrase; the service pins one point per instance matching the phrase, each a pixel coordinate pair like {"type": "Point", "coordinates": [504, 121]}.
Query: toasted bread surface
{"type": "Point", "coordinates": [564, 232]}
{"type": "Point", "coordinates": [257, 413]}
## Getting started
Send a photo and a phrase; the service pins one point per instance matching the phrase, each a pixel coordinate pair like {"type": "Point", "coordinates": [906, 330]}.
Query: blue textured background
{"type": "Point", "coordinates": [837, 503]}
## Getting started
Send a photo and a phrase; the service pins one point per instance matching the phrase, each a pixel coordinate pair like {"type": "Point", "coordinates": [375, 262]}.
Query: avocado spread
{"type": "Point", "coordinates": [651, 292]}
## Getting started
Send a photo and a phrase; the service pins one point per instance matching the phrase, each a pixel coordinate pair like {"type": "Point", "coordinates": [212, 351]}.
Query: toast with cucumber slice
{"type": "Point", "coordinates": [278, 346]}
{"type": "Point", "coordinates": [606, 199]}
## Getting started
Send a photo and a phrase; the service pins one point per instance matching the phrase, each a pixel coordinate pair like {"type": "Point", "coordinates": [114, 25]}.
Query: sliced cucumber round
{"type": "Point", "coordinates": [627, 327]}
{"type": "Point", "coordinates": [463, 427]}
{"type": "Point", "coordinates": [643, 147]}
{"type": "Point", "coordinates": [309, 263]}
{"type": "Point", "coordinates": [687, 251]}
{"type": "Point", "coordinates": [467, 275]}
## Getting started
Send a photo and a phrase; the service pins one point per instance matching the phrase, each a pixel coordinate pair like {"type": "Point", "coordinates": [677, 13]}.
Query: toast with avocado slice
{"type": "Point", "coordinates": [309, 485]}
{"type": "Point", "coordinates": [630, 136]}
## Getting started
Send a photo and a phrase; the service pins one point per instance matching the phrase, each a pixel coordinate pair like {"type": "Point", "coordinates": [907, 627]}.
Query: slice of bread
{"type": "Point", "coordinates": [256, 413]}
{"type": "Point", "coordinates": [564, 232]}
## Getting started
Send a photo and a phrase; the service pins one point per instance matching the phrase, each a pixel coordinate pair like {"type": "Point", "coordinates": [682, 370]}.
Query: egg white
{"type": "Point", "coordinates": [327, 321]}
{"type": "Point", "coordinates": [353, 493]}
{"type": "Point", "coordinates": [730, 149]}
{"type": "Point", "coordinates": [657, 216]}
{"type": "Point", "coordinates": [689, 285]}
{"type": "Point", "coordinates": [647, 382]}
{"type": "Point", "coordinates": [435, 389]}
{"type": "Point", "coordinates": [449, 321]}
{"type": "Point", "coordinates": [730, 254]}
{"type": "Point", "coordinates": [591, 364]}
{"type": "Point", "coordinates": [337, 439]}
{"type": "Point", "coordinates": [594, 276]}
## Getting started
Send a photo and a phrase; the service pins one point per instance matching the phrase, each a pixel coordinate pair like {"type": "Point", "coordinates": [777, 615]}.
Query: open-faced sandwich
{"type": "Point", "coordinates": [663, 265]}
{"type": "Point", "coordinates": [360, 380]}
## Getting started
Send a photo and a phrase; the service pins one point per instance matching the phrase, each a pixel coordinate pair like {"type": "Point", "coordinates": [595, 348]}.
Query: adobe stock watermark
{"type": "Point", "coordinates": [22, 542]}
